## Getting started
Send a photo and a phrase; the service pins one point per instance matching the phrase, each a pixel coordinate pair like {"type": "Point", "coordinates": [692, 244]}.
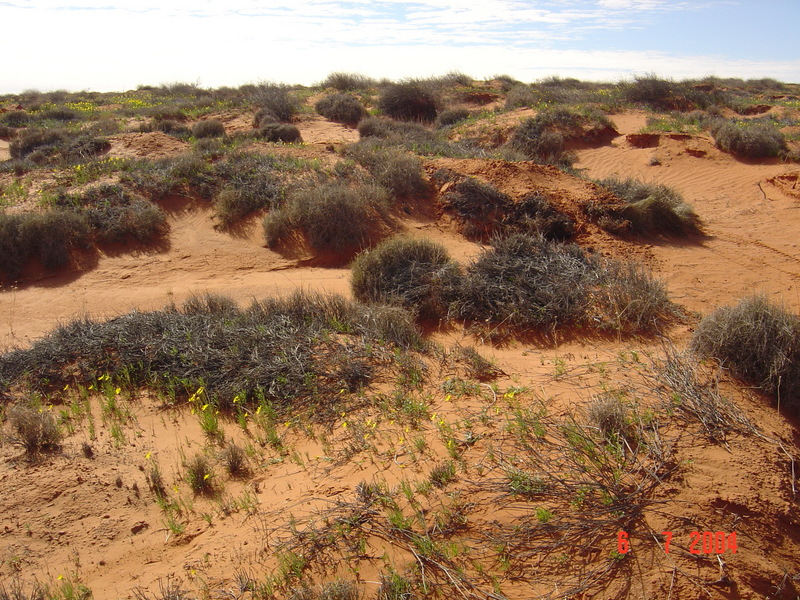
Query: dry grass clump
{"type": "Point", "coordinates": [525, 283]}
{"type": "Point", "coordinates": [279, 132]}
{"type": "Point", "coordinates": [664, 94]}
{"type": "Point", "coordinates": [649, 209]}
{"type": "Point", "coordinates": [116, 215]}
{"type": "Point", "coordinates": [277, 99]}
{"type": "Point", "coordinates": [759, 341]}
{"type": "Point", "coordinates": [199, 474]}
{"type": "Point", "coordinates": [540, 143]}
{"type": "Point", "coordinates": [749, 139]}
{"type": "Point", "coordinates": [284, 351]}
{"type": "Point", "coordinates": [249, 183]}
{"type": "Point", "coordinates": [33, 428]}
{"type": "Point", "coordinates": [414, 273]}
{"type": "Point", "coordinates": [484, 211]}
{"type": "Point", "coordinates": [342, 108]}
{"type": "Point", "coordinates": [53, 146]}
{"type": "Point", "coordinates": [397, 170]}
{"type": "Point", "coordinates": [451, 116]}
{"type": "Point", "coordinates": [409, 101]}
{"type": "Point", "coordinates": [49, 236]}
{"type": "Point", "coordinates": [519, 96]}
{"type": "Point", "coordinates": [208, 129]}
{"type": "Point", "coordinates": [395, 131]}
{"type": "Point", "coordinates": [347, 82]}
{"type": "Point", "coordinates": [332, 216]}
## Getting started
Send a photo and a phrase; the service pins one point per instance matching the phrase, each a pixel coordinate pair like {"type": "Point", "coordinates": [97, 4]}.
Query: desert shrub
{"type": "Point", "coordinates": [207, 129]}
{"type": "Point", "coordinates": [535, 214]}
{"type": "Point", "coordinates": [209, 304]}
{"type": "Point", "coordinates": [409, 101]}
{"type": "Point", "coordinates": [630, 300]}
{"type": "Point", "coordinates": [234, 459]}
{"type": "Point", "coordinates": [33, 428]}
{"type": "Point", "coordinates": [342, 108]}
{"type": "Point", "coordinates": [167, 112]}
{"type": "Point", "coordinates": [49, 236]}
{"type": "Point", "coordinates": [484, 211]}
{"type": "Point", "coordinates": [279, 132]}
{"type": "Point", "coordinates": [759, 341]}
{"type": "Point", "coordinates": [749, 139]}
{"type": "Point", "coordinates": [277, 99]}
{"type": "Point", "coordinates": [451, 117]}
{"type": "Point", "coordinates": [117, 215]}
{"type": "Point", "coordinates": [54, 145]}
{"type": "Point", "coordinates": [398, 171]}
{"type": "Point", "coordinates": [331, 216]}
{"type": "Point", "coordinates": [264, 116]}
{"type": "Point", "coordinates": [664, 94]}
{"type": "Point", "coordinates": [537, 142]}
{"type": "Point", "coordinates": [525, 281]}
{"type": "Point", "coordinates": [6, 132]}
{"type": "Point", "coordinates": [280, 350]}
{"type": "Point", "coordinates": [416, 274]}
{"type": "Point", "coordinates": [199, 474]}
{"type": "Point", "coordinates": [250, 184]}
{"type": "Point", "coordinates": [346, 82]}
{"type": "Point", "coordinates": [391, 130]}
{"type": "Point", "coordinates": [59, 113]}
{"type": "Point", "coordinates": [520, 96]}
{"type": "Point", "coordinates": [479, 205]}
{"type": "Point", "coordinates": [610, 416]}
{"type": "Point", "coordinates": [170, 127]}
{"type": "Point", "coordinates": [187, 174]}
{"type": "Point", "coordinates": [651, 209]}
{"type": "Point", "coordinates": [15, 118]}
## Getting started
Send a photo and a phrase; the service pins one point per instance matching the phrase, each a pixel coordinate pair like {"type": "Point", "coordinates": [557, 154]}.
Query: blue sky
{"type": "Point", "coordinates": [107, 45]}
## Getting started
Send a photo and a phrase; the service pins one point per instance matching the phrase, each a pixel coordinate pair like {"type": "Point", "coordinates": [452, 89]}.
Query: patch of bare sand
{"type": "Point", "coordinates": [154, 144]}
{"type": "Point", "coordinates": [5, 153]}
{"type": "Point", "coordinates": [750, 219]}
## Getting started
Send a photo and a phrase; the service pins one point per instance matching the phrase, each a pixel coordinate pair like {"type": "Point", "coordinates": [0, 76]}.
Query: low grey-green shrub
{"type": "Point", "coordinates": [417, 274]}
{"type": "Point", "coordinates": [759, 341]}
{"type": "Point", "coordinates": [342, 108]}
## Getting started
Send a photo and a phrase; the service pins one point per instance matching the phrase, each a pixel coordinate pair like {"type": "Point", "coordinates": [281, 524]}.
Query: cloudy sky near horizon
{"type": "Point", "coordinates": [107, 45]}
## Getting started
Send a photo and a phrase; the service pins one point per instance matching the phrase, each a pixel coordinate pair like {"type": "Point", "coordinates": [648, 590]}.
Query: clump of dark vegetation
{"type": "Point", "coordinates": [646, 209]}
{"type": "Point", "coordinates": [208, 129]}
{"type": "Point", "coordinates": [342, 108]}
{"type": "Point", "coordinates": [33, 428]}
{"type": "Point", "coordinates": [665, 94]}
{"type": "Point", "coordinates": [452, 116]}
{"type": "Point", "coordinates": [397, 170]}
{"type": "Point", "coordinates": [409, 101]}
{"type": "Point", "coordinates": [539, 143]}
{"type": "Point", "coordinates": [249, 184]}
{"type": "Point", "coordinates": [282, 353]}
{"type": "Point", "coordinates": [16, 118]}
{"type": "Point", "coordinates": [484, 211]}
{"type": "Point", "coordinates": [759, 341]}
{"type": "Point", "coordinates": [49, 236]}
{"type": "Point", "coordinates": [389, 129]}
{"type": "Point", "coordinates": [199, 474]}
{"type": "Point", "coordinates": [332, 216]}
{"type": "Point", "coordinates": [186, 175]}
{"type": "Point", "coordinates": [525, 282]}
{"type": "Point", "coordinates": [116, 215]}
{"type": "Point", "coordinates": [414, 273]}
{"type": "Point", "coordinates": [347, 82]}
{"type": "Point", "coordinates": [168, 126]}
{"type": "Point", "coordinates": [276, 98]}
{"type": "Point", "coordinates": [53, 146]}
{"type": "Point", "coordinates": [749, 139]}
{"type": "Point", "coordinates": [279, 132]}
{"type": "Point", "coordinates": [520, 96]}
{"type": "Point", "coordinates": [234, 458]}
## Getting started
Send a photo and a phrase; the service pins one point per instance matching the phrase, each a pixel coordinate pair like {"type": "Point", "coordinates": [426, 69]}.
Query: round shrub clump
{"type": "Point", "coordinates": [207, 129]}
{"type": "Point", "coordinates": [759, 341]}
{"type": "Point", "coordinates": [537, 142]}
{"type": "Point", "coordinates": [749, 140]}
{"type": "Point", "coordinates": [341, 108]}
{"type": "Point", "coordinates": [279, 132]}
{"type": "Point", "coordinates": [409, 101]}
{"type": "Point", "coordinates": [417, 274]}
